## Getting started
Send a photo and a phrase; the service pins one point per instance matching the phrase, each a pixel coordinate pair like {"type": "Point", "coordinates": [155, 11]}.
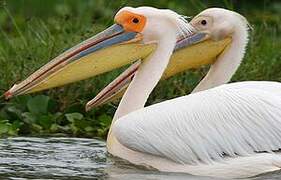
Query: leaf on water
{"type": "Point", "coordinates": [54, 128]}
{"type": "Point", "coordinates": [89, 129]}
{"type": "Point", "coordinates": [4, 127]}
{"type": "Point", "coordinates": [29, 118]}
{"type": "Point", "coordinates": [38, 104]}
{"type": "Point", "coordinates": [71, 117]}
{"type": "Point", "coordinates": [104, 120]}
{"type": "Point", "coordinates": [7, 128]}
{"type": "Point", "coordinates": [45, 121]}
{"type": "Point", "coordinates": [13, 110]}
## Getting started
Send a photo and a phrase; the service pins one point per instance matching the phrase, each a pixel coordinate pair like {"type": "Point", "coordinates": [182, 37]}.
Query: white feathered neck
{"type": "Point", "coordinates": [228, 62]}
{"type": "Point", "coordinates": [152, 68]}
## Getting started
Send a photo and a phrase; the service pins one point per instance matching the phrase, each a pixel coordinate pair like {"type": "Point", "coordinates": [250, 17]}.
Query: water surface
{"type": "Point", "coordinates": [75, 158]}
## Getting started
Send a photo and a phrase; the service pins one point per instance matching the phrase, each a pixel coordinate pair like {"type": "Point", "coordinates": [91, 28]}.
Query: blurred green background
{"type": "Point", "coordinates": [34, 31]}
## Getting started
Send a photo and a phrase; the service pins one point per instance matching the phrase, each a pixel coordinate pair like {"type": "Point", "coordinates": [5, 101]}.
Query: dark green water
{"type": "Point", "coordinates": [74, 158]}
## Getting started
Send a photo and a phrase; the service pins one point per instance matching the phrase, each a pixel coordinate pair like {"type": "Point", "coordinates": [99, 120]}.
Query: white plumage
{"type": "Point", "coordinates": [232, 130]}
{"type": "Point", "coordinates": [239, 119]}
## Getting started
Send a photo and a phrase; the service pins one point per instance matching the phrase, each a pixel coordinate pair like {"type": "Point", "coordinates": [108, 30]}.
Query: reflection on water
{"type": "Point", "coordinates": [73, 158]}
{"type": "Point", "coordinates": [52, 157]}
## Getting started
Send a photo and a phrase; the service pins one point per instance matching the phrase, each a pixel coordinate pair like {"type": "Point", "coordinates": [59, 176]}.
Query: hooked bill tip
{"type": "Point", "coordinates": [87, 108]}
{"type": "Point", "coordinates": [8, 95]}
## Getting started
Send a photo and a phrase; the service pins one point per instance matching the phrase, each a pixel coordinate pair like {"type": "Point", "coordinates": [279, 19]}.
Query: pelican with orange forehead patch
{"type": "Point", "coordinates": [130, 21]}
{"type": "Point", "coordinates": [121, 44]}
{"type": "Point", "coordinates": [229, 131]}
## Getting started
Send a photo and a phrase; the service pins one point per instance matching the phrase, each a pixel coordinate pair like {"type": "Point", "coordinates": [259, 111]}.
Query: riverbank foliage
{"type": "Point", "coordinates": [34, 31]}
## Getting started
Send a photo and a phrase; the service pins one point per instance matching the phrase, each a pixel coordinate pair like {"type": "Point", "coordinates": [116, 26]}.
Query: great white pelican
{"type": "Point", "coordinates": [229, 131]}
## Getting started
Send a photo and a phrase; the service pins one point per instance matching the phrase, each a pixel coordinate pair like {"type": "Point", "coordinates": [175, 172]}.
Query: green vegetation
{"type": "Point", "coordinates": [34, 31]}
{"type": "Point", "coordinates": [37, 116]}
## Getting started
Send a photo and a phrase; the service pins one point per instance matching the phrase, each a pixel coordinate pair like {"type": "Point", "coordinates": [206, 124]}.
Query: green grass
{"type": "Point", "coordinates": [34, 31]}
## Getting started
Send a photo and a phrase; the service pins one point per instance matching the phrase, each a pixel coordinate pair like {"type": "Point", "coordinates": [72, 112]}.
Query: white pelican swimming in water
{"type": "Point", "coordinates": [228, 131]}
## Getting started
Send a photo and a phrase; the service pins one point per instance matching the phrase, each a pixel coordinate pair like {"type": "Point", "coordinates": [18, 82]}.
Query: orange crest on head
{"type": "Point", "coordinates": [131, 22]}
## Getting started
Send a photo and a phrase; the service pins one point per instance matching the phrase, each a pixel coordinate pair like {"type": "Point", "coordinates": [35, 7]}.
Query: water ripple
{"type": "Point", "coordinates": [74, 158]}
{"type": "Point", "coordinates": [64, 158]}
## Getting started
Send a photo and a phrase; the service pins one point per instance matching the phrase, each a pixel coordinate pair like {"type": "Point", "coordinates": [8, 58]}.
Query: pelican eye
{"type": "Point", "coordinates": [203, 22]}
{"type": "Point", "coordinates": [136, 20]}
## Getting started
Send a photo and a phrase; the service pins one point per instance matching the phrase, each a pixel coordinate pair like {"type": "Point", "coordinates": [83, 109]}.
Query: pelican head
{"type": "Point", "coordinates": [216, 25]}
{"type": "Point", "coordinates": [151, 23]}
{"type": "Point", "coordinates": [133, 37]}
{"type": "Point", "coordinates": [110, 49]}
